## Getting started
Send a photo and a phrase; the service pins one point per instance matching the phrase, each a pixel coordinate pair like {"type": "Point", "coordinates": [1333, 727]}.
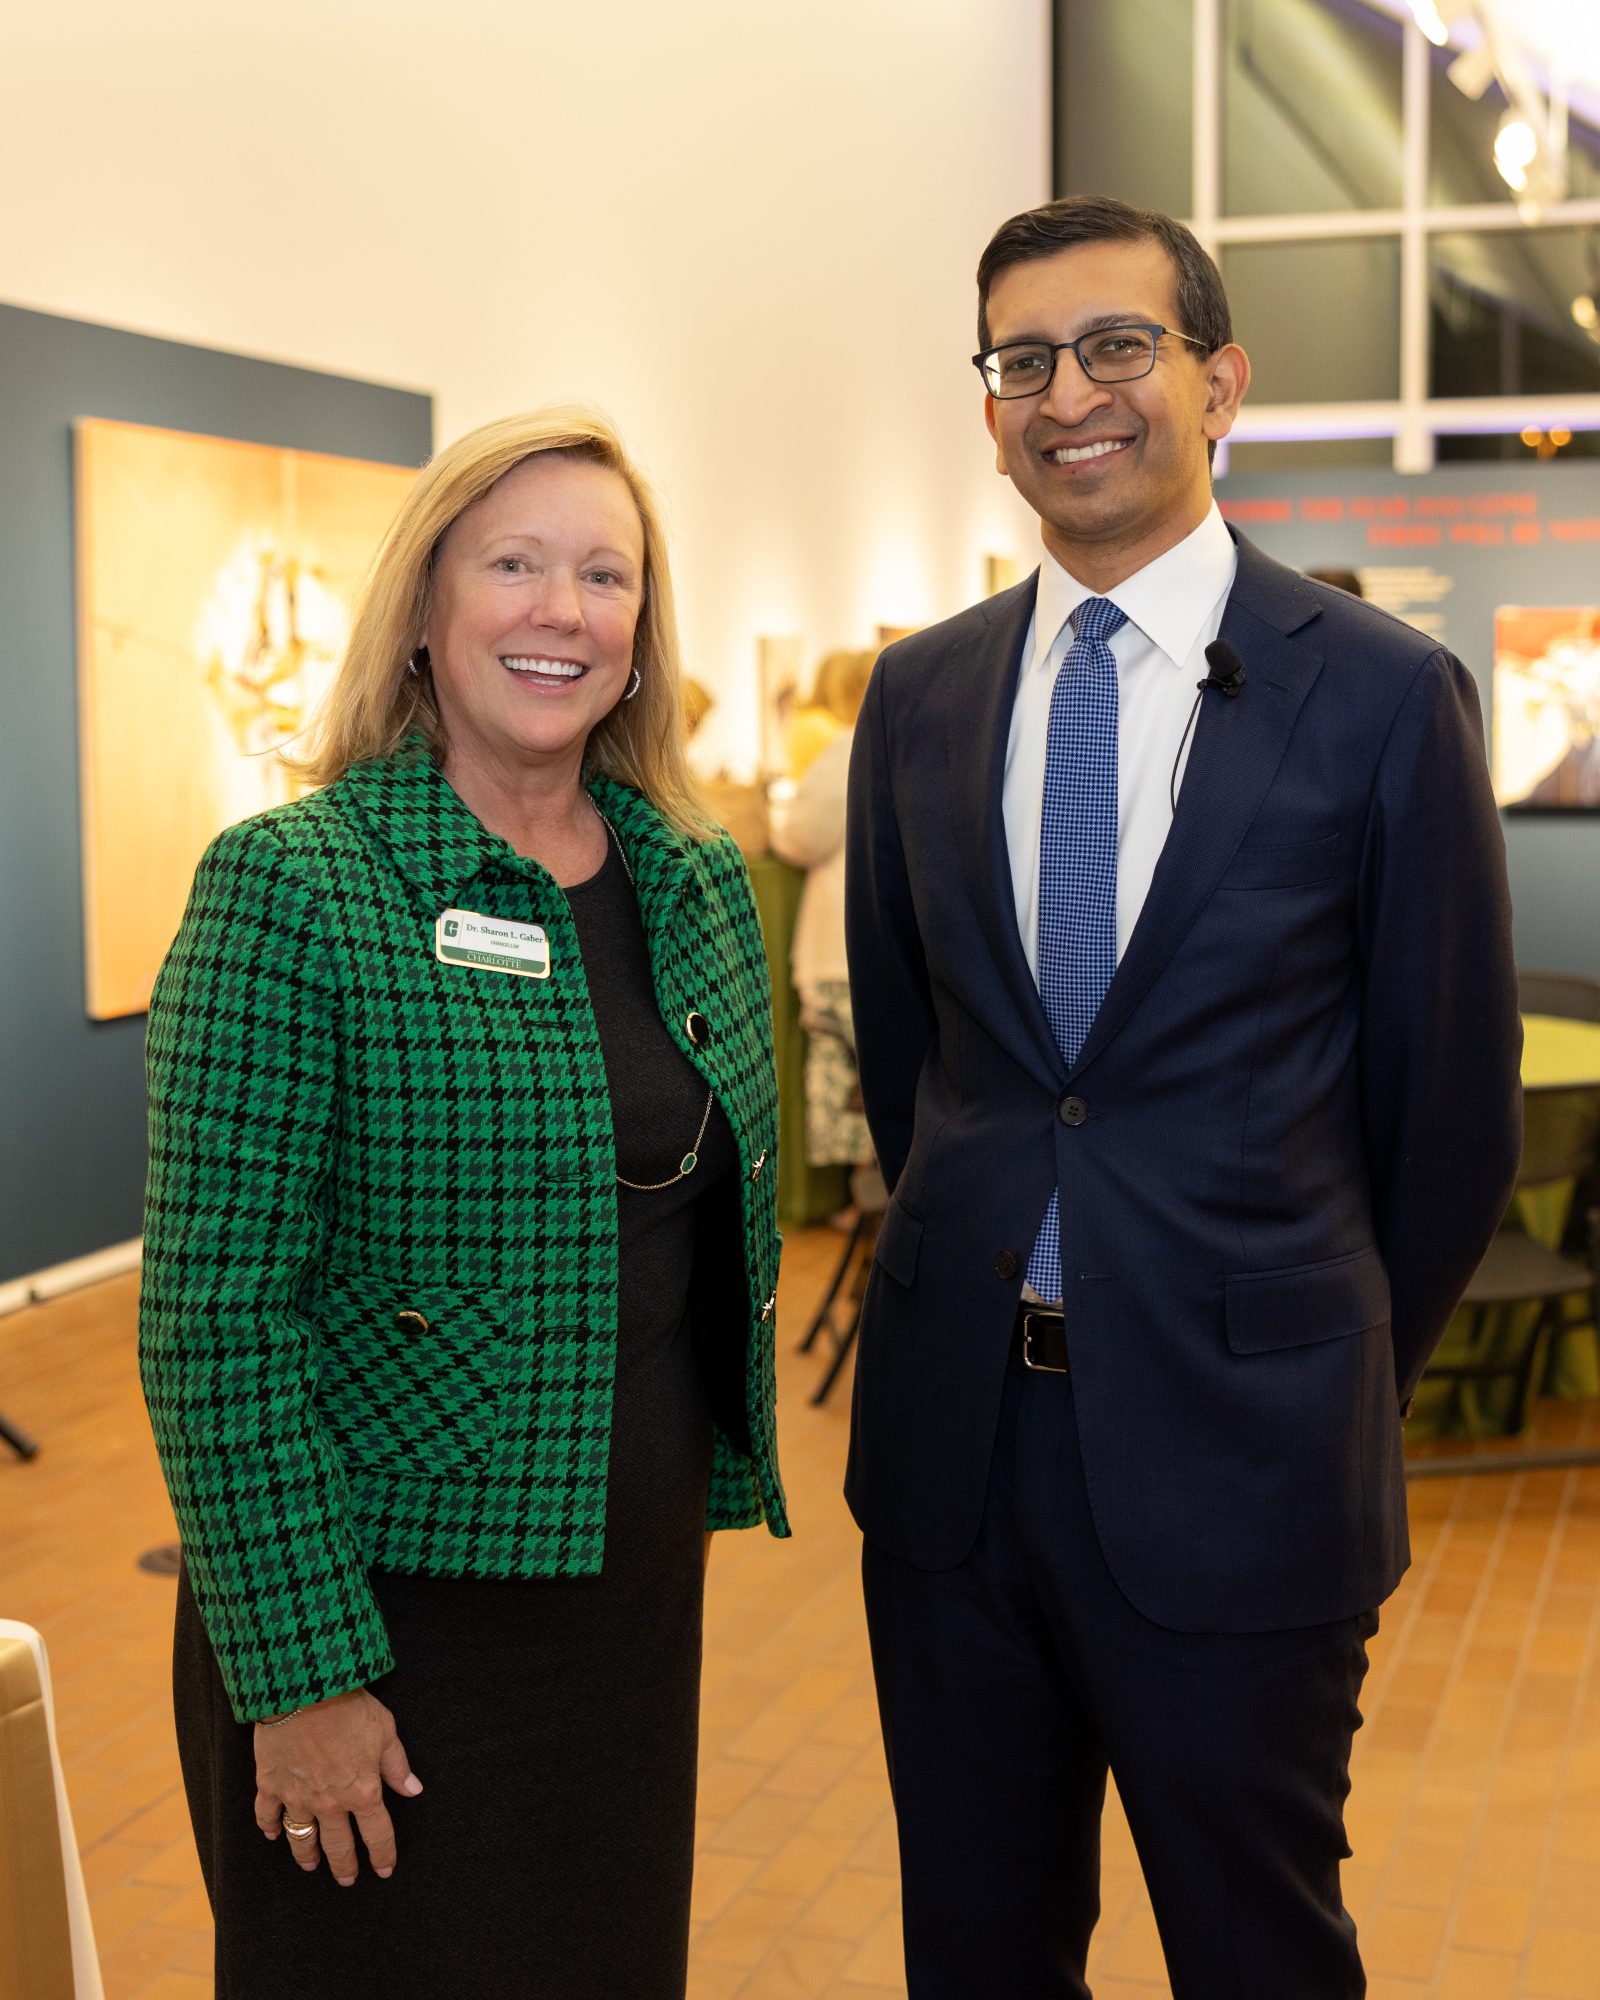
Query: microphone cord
{"type": "Point", "coordinates": [1220, 653]}
{"type": "Point", "coordinates": [1172, 788]}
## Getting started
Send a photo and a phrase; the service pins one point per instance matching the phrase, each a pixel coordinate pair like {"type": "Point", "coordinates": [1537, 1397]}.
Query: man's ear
{"type": "Point", "coordinates": [1227, 379]}
{"type": "Point", "coordinates": [1000, 465]}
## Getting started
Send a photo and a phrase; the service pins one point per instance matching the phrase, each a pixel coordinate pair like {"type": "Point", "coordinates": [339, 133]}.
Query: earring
{"type": "Point", "coordinates": [633, 686]}
{"type": "Point", "coordinates": [419, 662]}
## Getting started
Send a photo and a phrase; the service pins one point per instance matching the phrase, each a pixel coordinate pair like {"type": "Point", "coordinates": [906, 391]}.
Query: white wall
{"type": "Point", "coordinates": [747, 231]}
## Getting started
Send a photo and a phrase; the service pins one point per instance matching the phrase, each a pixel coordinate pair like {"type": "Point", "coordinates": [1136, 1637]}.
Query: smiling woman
{"type": "Point", "coordinates": [535, 600]}
{"type": "Point", "coordinates": [459, 1265]}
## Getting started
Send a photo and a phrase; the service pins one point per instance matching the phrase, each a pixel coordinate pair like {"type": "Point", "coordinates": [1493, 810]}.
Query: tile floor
{"type": "Point", "coordinates": [1476, 1811]}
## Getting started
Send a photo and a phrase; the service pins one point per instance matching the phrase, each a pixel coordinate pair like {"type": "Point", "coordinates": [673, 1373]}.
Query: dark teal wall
{"type": "Point", "coordinates": [72, 1147]}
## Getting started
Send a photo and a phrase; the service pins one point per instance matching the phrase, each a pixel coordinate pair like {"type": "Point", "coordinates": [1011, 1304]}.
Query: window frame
{"type": "Point", "coordinates": [1414, 420]}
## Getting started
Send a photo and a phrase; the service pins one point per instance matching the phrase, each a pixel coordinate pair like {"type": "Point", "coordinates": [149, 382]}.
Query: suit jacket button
{"type": "Point", "coordinates": [410, 1322]}
{"type": "Point", "coordinates": [1005, 1264]}
{"type": "Point", "coordinates": [1072, 1111]}
{"type": "Point", "coordinates": [698, 1029]}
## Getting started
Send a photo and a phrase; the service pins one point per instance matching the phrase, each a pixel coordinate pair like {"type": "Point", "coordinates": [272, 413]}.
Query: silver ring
{"type": "Point", "coordinates": [298, 1829]}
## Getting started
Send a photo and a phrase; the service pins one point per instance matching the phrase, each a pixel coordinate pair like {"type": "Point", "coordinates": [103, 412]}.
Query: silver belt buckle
{"type": "Point", "coordinates": [1038, 1367]}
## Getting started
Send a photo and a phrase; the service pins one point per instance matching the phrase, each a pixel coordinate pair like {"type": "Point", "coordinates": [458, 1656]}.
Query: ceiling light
{"type": "Point", "coordinates": [1516, 147]}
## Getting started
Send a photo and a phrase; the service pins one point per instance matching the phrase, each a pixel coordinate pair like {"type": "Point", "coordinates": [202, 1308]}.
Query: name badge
{"type": "Point", "coordinates": [464, 937]}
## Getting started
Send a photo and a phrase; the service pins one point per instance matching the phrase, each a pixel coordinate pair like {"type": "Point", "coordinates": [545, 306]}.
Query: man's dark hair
{"type": "Point", "coordinates": [1095, 218]}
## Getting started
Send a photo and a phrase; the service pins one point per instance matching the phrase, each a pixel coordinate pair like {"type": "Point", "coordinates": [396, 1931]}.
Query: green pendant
{"type": "Point", "coordinates": [688, 1163]}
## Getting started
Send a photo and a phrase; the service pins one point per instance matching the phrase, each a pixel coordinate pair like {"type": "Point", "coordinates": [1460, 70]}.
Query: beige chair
{"type": "Point", "coordinates": [46, 1941]}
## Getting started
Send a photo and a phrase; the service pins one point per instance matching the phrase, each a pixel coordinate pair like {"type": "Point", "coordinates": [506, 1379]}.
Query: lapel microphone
{"type": "Point", "coordinates": [1227, 669]}
{"type": "Point", "coordinates": [1227, 677]}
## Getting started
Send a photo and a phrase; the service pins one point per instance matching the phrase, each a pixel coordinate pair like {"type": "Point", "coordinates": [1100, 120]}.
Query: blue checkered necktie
{"type": "Point", "coordinates": [1077, 864]}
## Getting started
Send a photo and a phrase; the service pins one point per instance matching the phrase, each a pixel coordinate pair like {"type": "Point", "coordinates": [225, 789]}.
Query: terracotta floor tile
{"type": "Point", "coordinates": [804, 1863]}
{"type": "Point", "coordinates": [747, 1929]}
{"type": "Point", "coordinates": [1475, 1818]}
{"type": "Point", "coordinates": [1490, 1919]}
{"type": "Point", "coordinates": [880, 1959]}
{"type": "Point", "coordinates": [175, 1986]}
{"type": "Point", "coordinates": [1563, 1965]}
{"type": "Point", "coordinates": [1477, 1975]}
{"type": "Point", "coordinates": [849, 1905]}
{"type": "Point", "coordinates": [797, 1968]}
{"type": "Point", "coordinates": [1401, 1942]}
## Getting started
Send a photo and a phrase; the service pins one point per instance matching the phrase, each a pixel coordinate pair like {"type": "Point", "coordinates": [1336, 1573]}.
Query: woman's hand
{"type": "Point", "coordinates": [321, 1766]}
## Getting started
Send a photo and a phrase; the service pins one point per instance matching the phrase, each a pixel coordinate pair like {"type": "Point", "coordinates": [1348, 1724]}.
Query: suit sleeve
{"type": "Point", "coordinates": [243, 1118]}
{"type": "Point", "coordinates": [890, 992]}
{"type": "Point", "coordinates": [1441, 1037]}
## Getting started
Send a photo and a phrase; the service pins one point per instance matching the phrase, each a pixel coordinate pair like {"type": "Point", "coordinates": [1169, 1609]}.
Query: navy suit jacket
{"type": "Point", "coordinates": [1303, 1109]}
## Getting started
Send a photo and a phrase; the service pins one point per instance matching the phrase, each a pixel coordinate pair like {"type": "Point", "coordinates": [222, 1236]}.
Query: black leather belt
{"type": "Point", "coordinates": [1041, 1340]}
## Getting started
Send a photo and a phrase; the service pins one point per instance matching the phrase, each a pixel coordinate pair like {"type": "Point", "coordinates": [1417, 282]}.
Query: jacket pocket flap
{"type": "Point", "coordinates": [1311, 1302]}
{"type": "Point", "coordinates": [899, 1234]}
{"type": "Point", "coordinates": [1282, 867]}
{"type": "Point", "coordinates": [411, 1375]}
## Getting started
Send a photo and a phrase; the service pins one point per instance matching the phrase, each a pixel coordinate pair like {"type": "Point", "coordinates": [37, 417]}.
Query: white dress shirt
{"type": "Point", "coordinates": [1174, 606]}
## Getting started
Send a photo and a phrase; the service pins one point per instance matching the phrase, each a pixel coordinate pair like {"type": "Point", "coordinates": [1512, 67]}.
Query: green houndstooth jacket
{"type": "Point", "coordinates": [378, 1314]}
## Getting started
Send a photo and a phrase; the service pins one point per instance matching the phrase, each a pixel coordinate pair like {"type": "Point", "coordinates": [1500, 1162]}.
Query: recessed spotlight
{"type": "Point", "coordinates": [1516, 147]}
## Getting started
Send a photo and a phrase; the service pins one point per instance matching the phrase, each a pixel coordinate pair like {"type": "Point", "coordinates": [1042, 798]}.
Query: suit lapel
{"type": "Point", "coordinates": [977, 736]}
{"type": "Point", "coordinates": [1238, 746]}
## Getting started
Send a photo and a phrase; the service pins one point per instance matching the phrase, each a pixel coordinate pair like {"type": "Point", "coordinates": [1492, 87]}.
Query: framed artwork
{"type": "Point", "coordinates": [215, 585]}
{"type": "Point", "coordinates": [778, 661]}
{"type": "Point", "coordinates": [1000, 573]}
{"type": "Point", "coordinates": [1546, 734]}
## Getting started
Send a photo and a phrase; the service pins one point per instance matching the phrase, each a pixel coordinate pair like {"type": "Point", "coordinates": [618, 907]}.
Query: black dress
{"type": "Point", "coordinates": [554, 1723]}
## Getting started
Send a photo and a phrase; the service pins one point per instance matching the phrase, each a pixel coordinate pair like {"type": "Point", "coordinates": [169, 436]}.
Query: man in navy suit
{"type": "Point", "coordinates": [1188, 1037]}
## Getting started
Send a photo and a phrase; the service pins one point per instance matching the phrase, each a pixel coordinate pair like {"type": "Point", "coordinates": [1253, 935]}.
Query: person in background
{"type": "Point", "coordinates": [807, 827]}
{"type": "Point", "coordinates": [1180, 944]}
{"type": "Point", "coordinates": [835, 699]}
{"type": "Point", "coordinates": [459, 1264]}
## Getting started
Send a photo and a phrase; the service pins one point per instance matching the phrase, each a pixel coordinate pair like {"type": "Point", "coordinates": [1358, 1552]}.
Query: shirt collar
{"type": "Point", "coordinates": [1169, 600]}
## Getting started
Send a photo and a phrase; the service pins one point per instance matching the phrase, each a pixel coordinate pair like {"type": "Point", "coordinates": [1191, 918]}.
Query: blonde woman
{"type": "Point", "coordinates": [807, 828]}
{"type": "Point", "coordinates": [460, 1258]}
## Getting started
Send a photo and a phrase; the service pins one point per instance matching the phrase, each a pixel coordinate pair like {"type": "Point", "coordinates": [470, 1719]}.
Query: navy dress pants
{"type": "Point", "coordinates": [1010, 1684]}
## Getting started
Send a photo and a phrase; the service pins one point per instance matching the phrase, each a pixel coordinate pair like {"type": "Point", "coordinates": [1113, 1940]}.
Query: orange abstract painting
{"type": "Point", "coordinates": [215, 585]}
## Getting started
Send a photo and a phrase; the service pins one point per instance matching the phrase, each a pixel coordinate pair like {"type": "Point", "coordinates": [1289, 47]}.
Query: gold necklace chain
{"type": "Point", "coordinates": [691, 1159]}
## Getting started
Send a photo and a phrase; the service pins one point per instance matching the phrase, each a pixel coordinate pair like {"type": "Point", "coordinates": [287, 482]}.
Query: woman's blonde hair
{"type": "Point", "coordinates": [841, 683]}
{"type": "Point", "coordinates": [378, 697]}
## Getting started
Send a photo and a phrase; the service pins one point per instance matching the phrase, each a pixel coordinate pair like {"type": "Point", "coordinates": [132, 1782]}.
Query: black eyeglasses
{"type": "Point", "coordinates": [1108, 354]}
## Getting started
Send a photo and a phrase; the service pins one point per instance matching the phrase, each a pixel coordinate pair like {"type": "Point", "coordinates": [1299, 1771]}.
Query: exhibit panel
{"type": "Point", "coordinates": [1501, 563]}
{"type": "Point", "coordinates": [72, 1139]}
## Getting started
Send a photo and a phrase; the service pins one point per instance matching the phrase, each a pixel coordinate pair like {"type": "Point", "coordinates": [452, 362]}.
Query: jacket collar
{"type": "Point", "coordinates": [1237, 748]}
{"type": "Point", "coordinates": [440, 847]}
